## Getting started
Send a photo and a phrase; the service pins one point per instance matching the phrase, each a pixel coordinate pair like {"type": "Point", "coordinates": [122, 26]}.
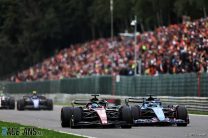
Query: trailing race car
{"type": "Point", "coordinates": [6, 101]}
{"type": "Point", "coordinates": [34, 102]}
{"type": "Point", "coordinates": [96, 112]}
{"type": "Point", "coordinates": [151, 112]}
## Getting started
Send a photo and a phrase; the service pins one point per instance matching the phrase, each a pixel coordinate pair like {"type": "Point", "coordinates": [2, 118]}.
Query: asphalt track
{"type": "Point", "coordinates": [51, 120]}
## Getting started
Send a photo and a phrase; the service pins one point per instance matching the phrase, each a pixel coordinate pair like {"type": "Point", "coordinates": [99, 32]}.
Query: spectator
{"type": "Point", "coordinates": [178, 48]}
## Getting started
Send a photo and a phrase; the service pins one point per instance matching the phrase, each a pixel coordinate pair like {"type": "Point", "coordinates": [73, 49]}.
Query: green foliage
{"type": "Point", "coordinates": [32, 30]}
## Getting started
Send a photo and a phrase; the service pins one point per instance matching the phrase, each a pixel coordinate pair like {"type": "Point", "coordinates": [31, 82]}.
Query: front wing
{"type": "Point", "coordinates": [156, 122]}
{"type": "Point", "coordinates": [30, 106]}
{"type": "Point", "coordinates": [40, 107]}
{"type": "Point", "coordinates": [99, 124]}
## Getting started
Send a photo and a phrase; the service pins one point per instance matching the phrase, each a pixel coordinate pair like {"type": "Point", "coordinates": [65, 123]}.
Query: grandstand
{"type": "Point", "coordinates": [178, 48]}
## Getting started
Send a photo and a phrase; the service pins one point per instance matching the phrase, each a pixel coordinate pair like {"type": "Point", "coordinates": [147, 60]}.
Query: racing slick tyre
{"type": "Point", "coordinates": [136, 112]}
{"type": "Point", "coordinates": [126, 116]}
{"type": "Point", "coordinates": [66, 115]}
{"type": "Point", "coordinates": [20, 105]}
{"type": "Point", "coordinates": [77, 117]}
{"type": "Point", "coordinates": [11, 103]}
{"type": "Point", "coordinates": [50, 104]}
{"type": "Point", "coordinates": [181, 113]}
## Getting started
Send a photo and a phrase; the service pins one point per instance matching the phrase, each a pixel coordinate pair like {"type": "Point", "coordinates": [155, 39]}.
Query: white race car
{"type": "Point", "coordinates": [34, 102]}
{"type": "Point", "coordinates": [6, 101]}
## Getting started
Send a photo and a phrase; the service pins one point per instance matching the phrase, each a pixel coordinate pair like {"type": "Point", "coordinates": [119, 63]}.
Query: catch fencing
{"type": "Point", "coordinates": [190, 89]}
{"type": "Point", "coordinates": [180, 85]}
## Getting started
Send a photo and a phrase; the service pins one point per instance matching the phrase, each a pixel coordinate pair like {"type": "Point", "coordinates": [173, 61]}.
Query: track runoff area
{"type": "Point", "coordinates": [51, 120]}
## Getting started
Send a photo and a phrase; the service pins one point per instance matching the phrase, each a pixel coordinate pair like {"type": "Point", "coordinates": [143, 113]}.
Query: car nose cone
{"type": "Point", "coordinates": [159, 113]}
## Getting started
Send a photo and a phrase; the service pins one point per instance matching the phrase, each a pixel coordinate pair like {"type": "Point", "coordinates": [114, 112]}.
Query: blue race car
{"type": "Point", "coordinates": [34, 102]}
{"type": "Point", "coordinates": [151, 112]}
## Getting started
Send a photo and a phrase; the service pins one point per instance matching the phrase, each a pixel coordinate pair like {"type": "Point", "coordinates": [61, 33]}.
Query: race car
{"type": "Point", "coordinates": [151, 112]}
{"type": "Point", "coordinates": [34, 102]}
{"type": "Point", "coordinates": [6, 101]}
{"type": "Point", "coordinates": [96, 113]}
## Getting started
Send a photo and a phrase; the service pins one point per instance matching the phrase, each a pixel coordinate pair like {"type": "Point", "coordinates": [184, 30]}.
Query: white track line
{"type": "Point", "coordinates": [71, 133]}
{"type": "Point", "coordinates": [198, 115]}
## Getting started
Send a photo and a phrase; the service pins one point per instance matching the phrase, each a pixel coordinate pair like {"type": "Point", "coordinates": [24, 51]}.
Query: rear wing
{"type": "Point", "coordinates": [114, 101]}
{"type": "Point", "coordinates": [133, 100]}
{"type": "Point", "coordinates": [80, 102]}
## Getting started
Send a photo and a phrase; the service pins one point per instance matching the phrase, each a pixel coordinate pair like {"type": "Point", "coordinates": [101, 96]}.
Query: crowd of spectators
{"type": "Point", "coordinates": [178, 48]}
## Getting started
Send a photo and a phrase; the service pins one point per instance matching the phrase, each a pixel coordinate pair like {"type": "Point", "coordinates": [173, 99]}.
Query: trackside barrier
{"type": "Point", "coordinates": [179, 85]}
{"type": "Point", "coordinates": [192, 103]}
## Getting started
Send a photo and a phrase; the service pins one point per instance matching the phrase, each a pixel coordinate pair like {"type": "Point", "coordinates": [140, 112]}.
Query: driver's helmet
{"type": "Point", "coordinates": [94, 105]}
{"type": "Point", "coordinates": [34, 94]}
{"type": "Point", "coordinates": [151, 104]}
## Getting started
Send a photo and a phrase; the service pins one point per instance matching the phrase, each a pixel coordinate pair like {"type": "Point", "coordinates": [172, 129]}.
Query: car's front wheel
{"type": "Point", "coordinates": [126, 116]}
{"type": "Point", "coordinates": [50, 104]}
{"type": "Point", "coordinates": [136, 112]}
{"type": "Point", "coordinates": [182, 113]}
{"type": "Point", "coordinates": [12, 103]}
{"type": "Point", "coordinates": [77, 117]}
{"type": "Point", "coordinates": [66, 115]}
{"type": "Point", "coordinates": [20, 105]}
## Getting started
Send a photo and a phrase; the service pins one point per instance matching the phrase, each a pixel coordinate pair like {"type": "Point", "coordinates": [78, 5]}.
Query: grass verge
{"type": "Point", "coordinates": [198, 112]}
{"type": "Point", "coordinates": [23, 131]}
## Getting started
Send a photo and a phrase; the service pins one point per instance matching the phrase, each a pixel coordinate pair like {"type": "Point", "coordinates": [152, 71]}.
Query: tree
{"type": "Point", "coordinates": [33, 30]}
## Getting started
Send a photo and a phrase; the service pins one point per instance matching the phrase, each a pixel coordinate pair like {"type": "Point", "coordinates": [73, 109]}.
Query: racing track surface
{"type": "Point", "coordinates": [51, 119]}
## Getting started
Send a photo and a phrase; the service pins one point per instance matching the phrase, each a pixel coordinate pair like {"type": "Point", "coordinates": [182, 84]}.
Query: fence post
{"type": "Point", "coordinates": [199, 84]}
{"type": "Point", "coordinates": [113, 84]}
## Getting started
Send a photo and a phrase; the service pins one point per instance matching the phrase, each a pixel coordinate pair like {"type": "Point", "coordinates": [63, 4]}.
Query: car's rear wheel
{"type": "Point", "coordinates": [126, 116]}
{"type": "Point", "coordinates": [20, 104]}
{"type": "Point", "coordinates": [181, 113]}
{"type": "Point", "coordinates": [136, 112]}
{"type": "Point", "coordinates": [50, 104]}
{"type": "Point", "coordinates": [66, 115]}
{"type": "Point", "coordinates": [11, 103]}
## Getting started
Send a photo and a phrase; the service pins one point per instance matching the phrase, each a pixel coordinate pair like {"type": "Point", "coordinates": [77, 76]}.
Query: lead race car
{"type": "Point", "coordinates": [6, 101]}
{"type": "Point", "coordinates": [96, 113]}
{"type": "Point", "coordinates": [151, 112]}
{"type": "Point", "coordinates": [34, 102]}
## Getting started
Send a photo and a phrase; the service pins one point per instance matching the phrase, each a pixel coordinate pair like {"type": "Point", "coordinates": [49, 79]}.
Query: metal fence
{"type": "Point", "coordinates": [163, 85]}
{"type": "Point", "coordinates": [191, 84]}
{"type": "Point", "coordinates": [95, 84]}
